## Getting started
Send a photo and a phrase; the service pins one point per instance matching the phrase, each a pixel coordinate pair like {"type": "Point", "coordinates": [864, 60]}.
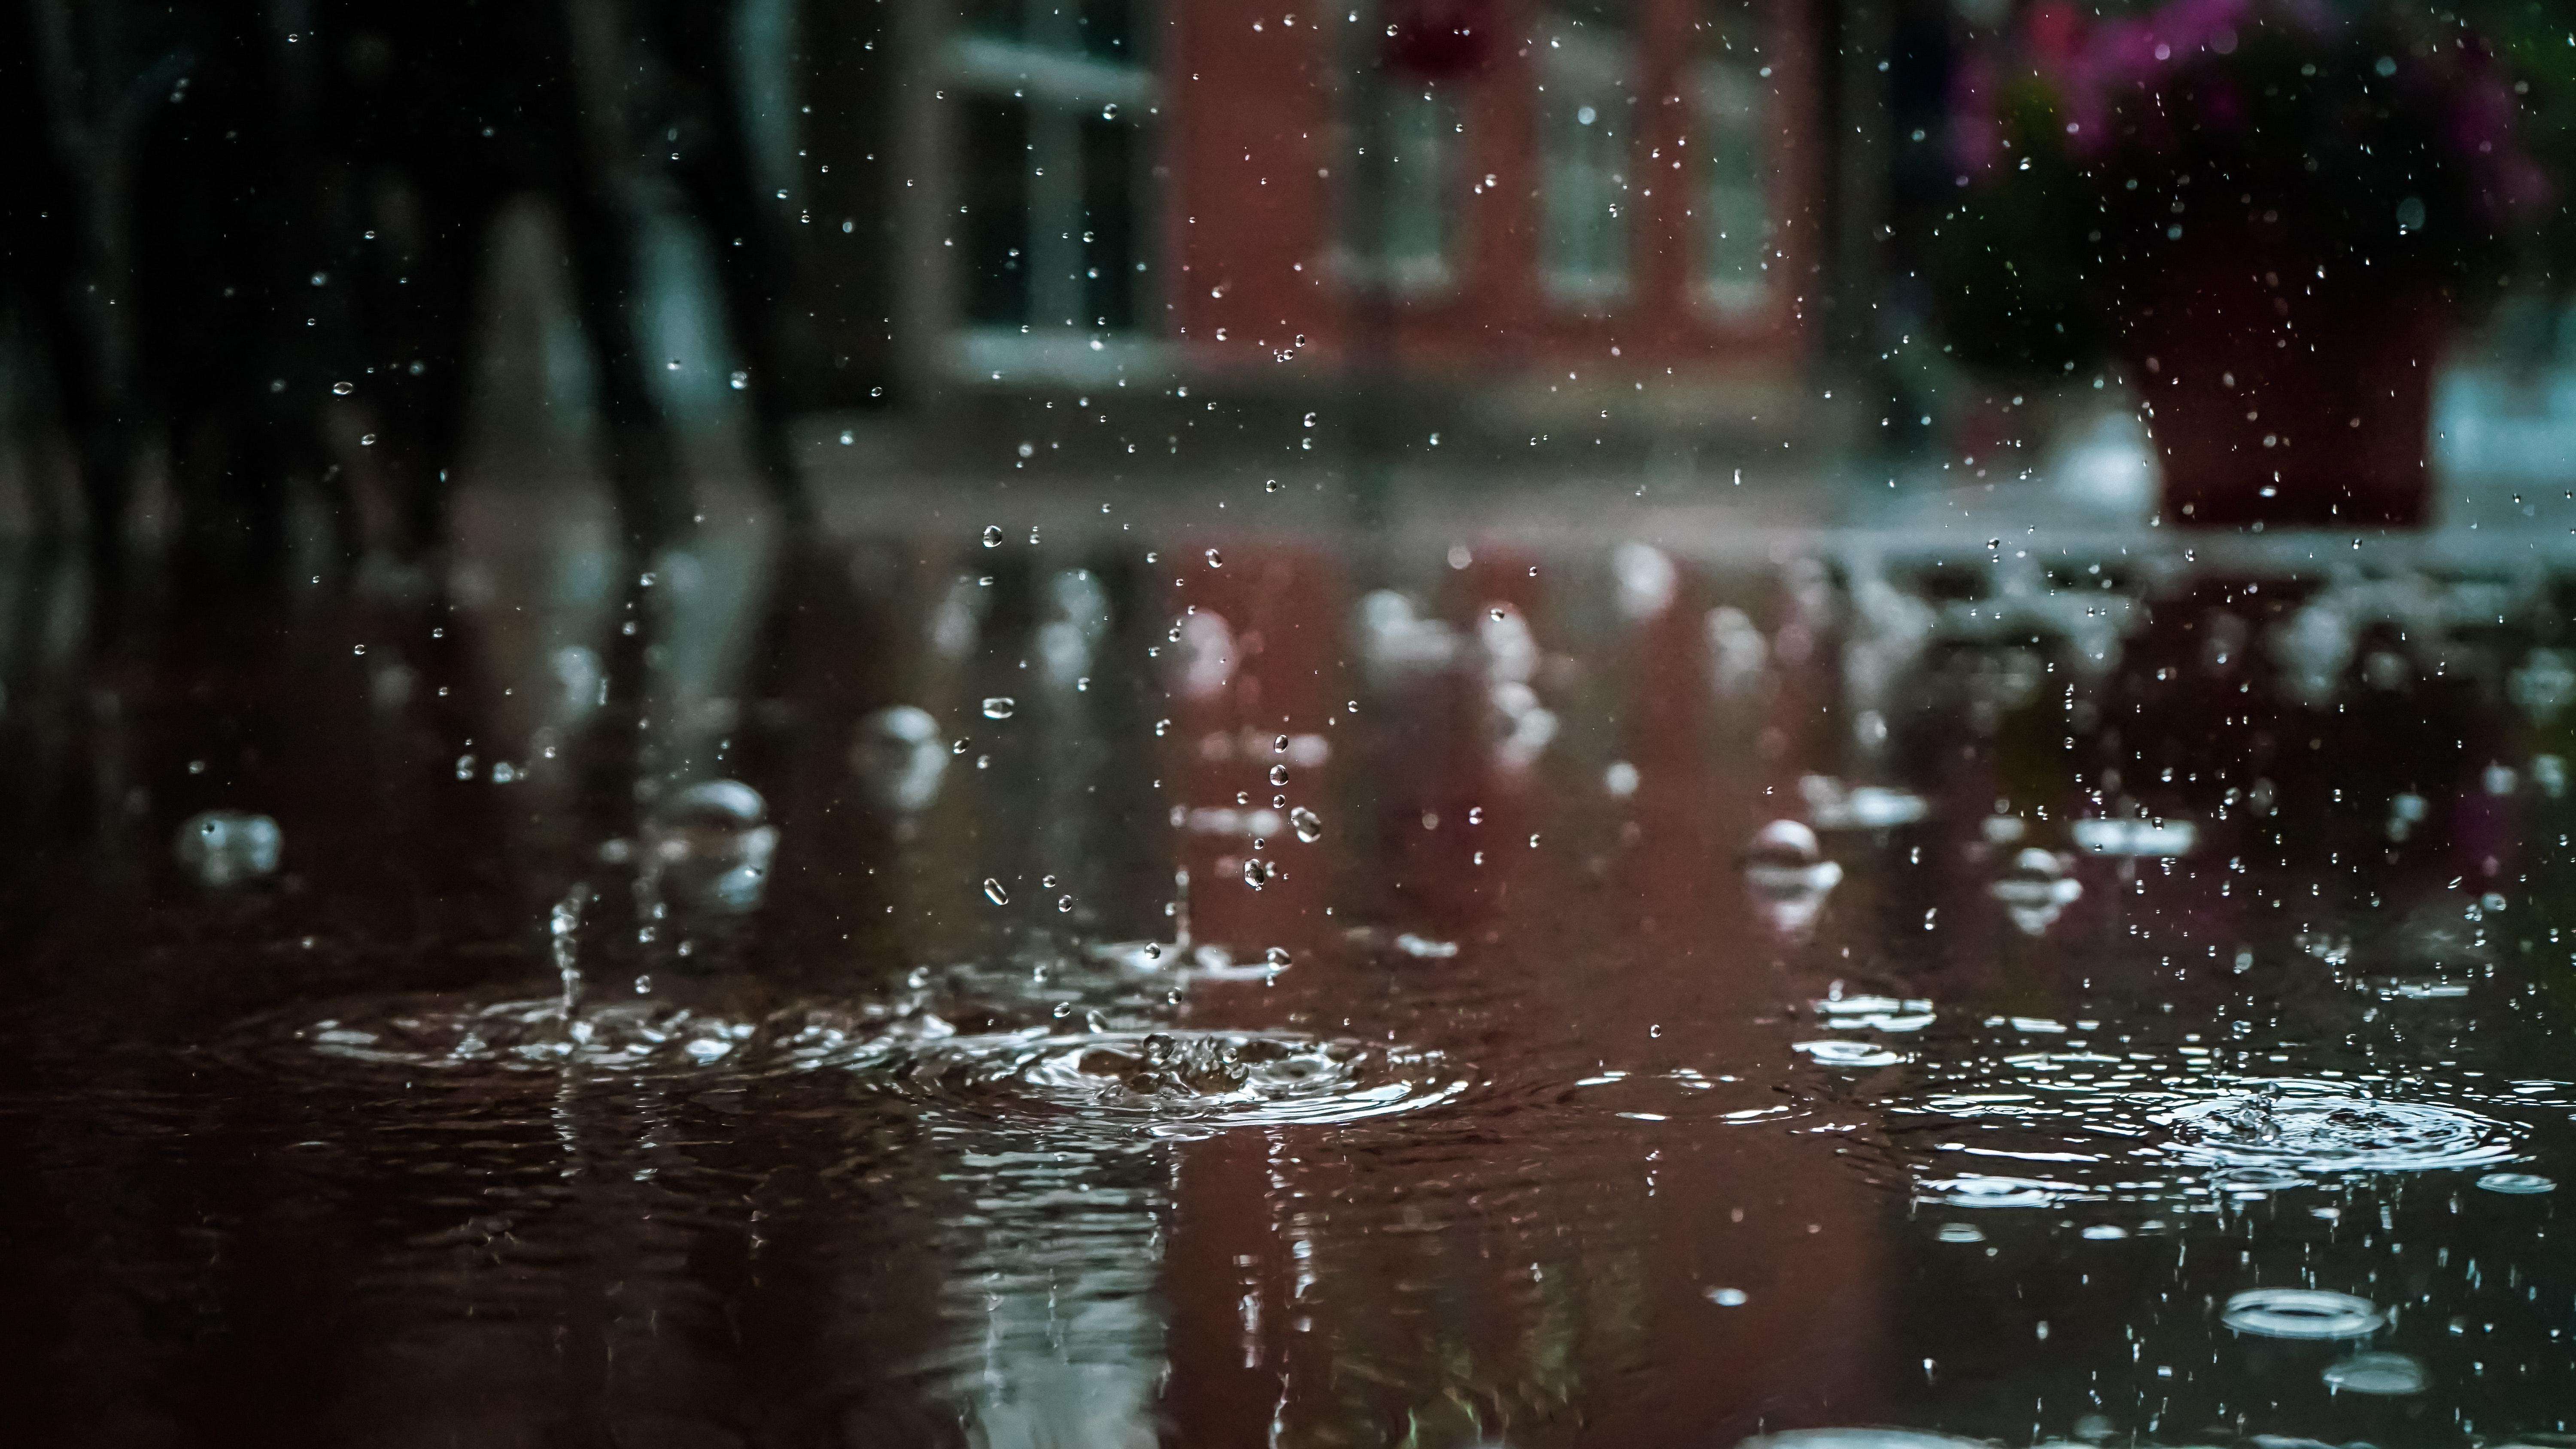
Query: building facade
{"type": "Point", "coordinates": [1470, 199]}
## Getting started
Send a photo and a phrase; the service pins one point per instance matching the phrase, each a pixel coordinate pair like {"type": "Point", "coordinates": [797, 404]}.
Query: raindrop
{"type": "Point", "coordinates": [896, 756]}
{"type": "Point", "coordinates": [1271, 486]}
{"type": "Point", "coordinates": [1000, 706]}
{"type": "Point", "coordinates": [1728, 1297]}
{"type": "Point", "coordinates": [1279, 746]}
{"type": "Point", "coordinates": [1063, 904]}
{"type": "Point", "coordinates": [1276, 956]}
{"type": "Point", "coordinates": [993, 535]}
{"type": "Point", "coordinates": [1309, 825]}
{"type": "Point", "coordinates": [1214, 560]}
{"type": "Point", "coordinates": [1960, 1233]}
{"type": "Point", "coordinates": [993, 892]}
{"type": "Point", "coordinates": [709, 846]}
{"type": "Point", "coordinates": [1840, 1052]}
{"type": "Point", "coordinates": [226, 847]}
{"type": "Point", "coordinates": [343, 389]}
{"type": "Point", "coordinates": [1279, 774]}
{"type": "Point", "coordinates": [1256, 873]}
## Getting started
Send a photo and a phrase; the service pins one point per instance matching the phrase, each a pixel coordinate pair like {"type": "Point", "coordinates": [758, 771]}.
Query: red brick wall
{"type": "Point", "coordinates": [1252, 222]}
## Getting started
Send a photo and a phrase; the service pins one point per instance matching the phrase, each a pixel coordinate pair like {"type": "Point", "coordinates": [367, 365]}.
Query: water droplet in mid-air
{"type": "Point", "coordinates": [227, 847]}
{"type": "Point", "coordinates": [1215, 560]}
{"type": "Point", "coordinates": [1000, 706]}
{"type": "Point", "coordinates": [1309, 825]}
{"type": "Point", "coordinates": [343, 389]}
{"type": "Point", "coordinates": [993, 535]}
{"type": "Point", "coordinates": [1276, 956]}
{"type": "Point", "coordinates": [1256, 873]}
{"type": "Point", "coordinates": [1728, 1297]}
{"type": "Point", "coordinates": [1279, 774]}
{"type": "Point", "coordinates": [1063, 904]}
{"type": "Point", "coordinates": [993, 892]}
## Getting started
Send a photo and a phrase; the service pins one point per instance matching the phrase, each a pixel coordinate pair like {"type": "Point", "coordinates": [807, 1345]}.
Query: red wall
{"type": "Point", "coordinates": [1251, 219]}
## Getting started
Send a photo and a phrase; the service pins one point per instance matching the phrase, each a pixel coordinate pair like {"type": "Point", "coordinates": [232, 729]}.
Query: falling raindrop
{"type": "Point", "coordinates": [1276, 956]}
{"type": "Point", "coordinates": [1063, 904]}
{"type": "Point", "coordinates": [993, 892]}
{"type": "Point", "coordinates": [1279, 774]}
{"type": "Point", "coordinates": [226, 847]}
{"type": "Point", "coordinates": [1309, 825]}
{"type": "Point", "coordinates": [1000, 706]}
{"type": "Point", "coordinates": [343, 389]}
{"type": "Point", "coordinates": [1256, 873]}
{"type": "Point", "coordinates": [993, 535]}
{"type": "Point", "coordinates": [1215, 561]}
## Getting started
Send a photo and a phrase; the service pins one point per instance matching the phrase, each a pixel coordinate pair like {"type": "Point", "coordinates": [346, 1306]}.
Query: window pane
{"type": "Point", "coordinates": [1109, 31]}
{"type": "Point", "coordinates": [1735, 222]}
{"type": "Point", "coordinates": [1109, 241]}
{"type": "Point", "coordinates": [1586, 114]}
{"type": "Point", "coordinates": [994, 152]}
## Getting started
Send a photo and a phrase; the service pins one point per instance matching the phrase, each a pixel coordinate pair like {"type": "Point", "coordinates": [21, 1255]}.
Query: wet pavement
{"type": "Point", "coordinates": [1076, 984]}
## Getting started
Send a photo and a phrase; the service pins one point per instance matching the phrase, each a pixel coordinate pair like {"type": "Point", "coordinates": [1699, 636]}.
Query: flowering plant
{"type": "Point", "coordinates": [2095, 153]}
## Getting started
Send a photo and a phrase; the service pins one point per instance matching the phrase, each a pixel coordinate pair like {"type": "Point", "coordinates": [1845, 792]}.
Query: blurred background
{"type": "Point", "coordinates": [295, 275]}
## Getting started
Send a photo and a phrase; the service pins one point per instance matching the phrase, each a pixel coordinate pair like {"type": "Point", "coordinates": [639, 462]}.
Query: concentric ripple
{"type": "Point", "coordinates": [2327, 1127]}
{"type": "Point", "coordinates": [644, 1037]}
{"type": "Point", "coordinates": [1181, 1079]}
{"type": "Point", "coordinates": [2301, 1313]}
{"type": "Point", "coordinates": [2155, 1125]}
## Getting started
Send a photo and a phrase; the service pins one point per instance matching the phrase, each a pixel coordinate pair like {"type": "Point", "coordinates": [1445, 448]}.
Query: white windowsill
{"type": "Point", "coordinates": [986, 64]}
{"type": "Point", "coordinates": [1058, 354]}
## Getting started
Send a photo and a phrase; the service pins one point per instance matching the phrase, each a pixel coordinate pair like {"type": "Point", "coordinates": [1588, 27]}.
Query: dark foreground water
{"type": "Point", "coordinates": [1220, 989]}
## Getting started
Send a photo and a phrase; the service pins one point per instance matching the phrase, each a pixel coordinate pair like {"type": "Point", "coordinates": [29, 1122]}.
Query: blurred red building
{"type": "Point", "coordinates": [1089, 194]}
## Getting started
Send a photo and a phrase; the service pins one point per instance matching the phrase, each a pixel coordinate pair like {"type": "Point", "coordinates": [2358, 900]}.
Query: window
{"type": "Point", "coordinates": [1587, 107]}
{"type": "Point", "coordinates": [1732, 90]}
{"type": "Point", "coordinates": [1402, 213]}
{"type": "Point", "coordinates": [1051, 165]}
